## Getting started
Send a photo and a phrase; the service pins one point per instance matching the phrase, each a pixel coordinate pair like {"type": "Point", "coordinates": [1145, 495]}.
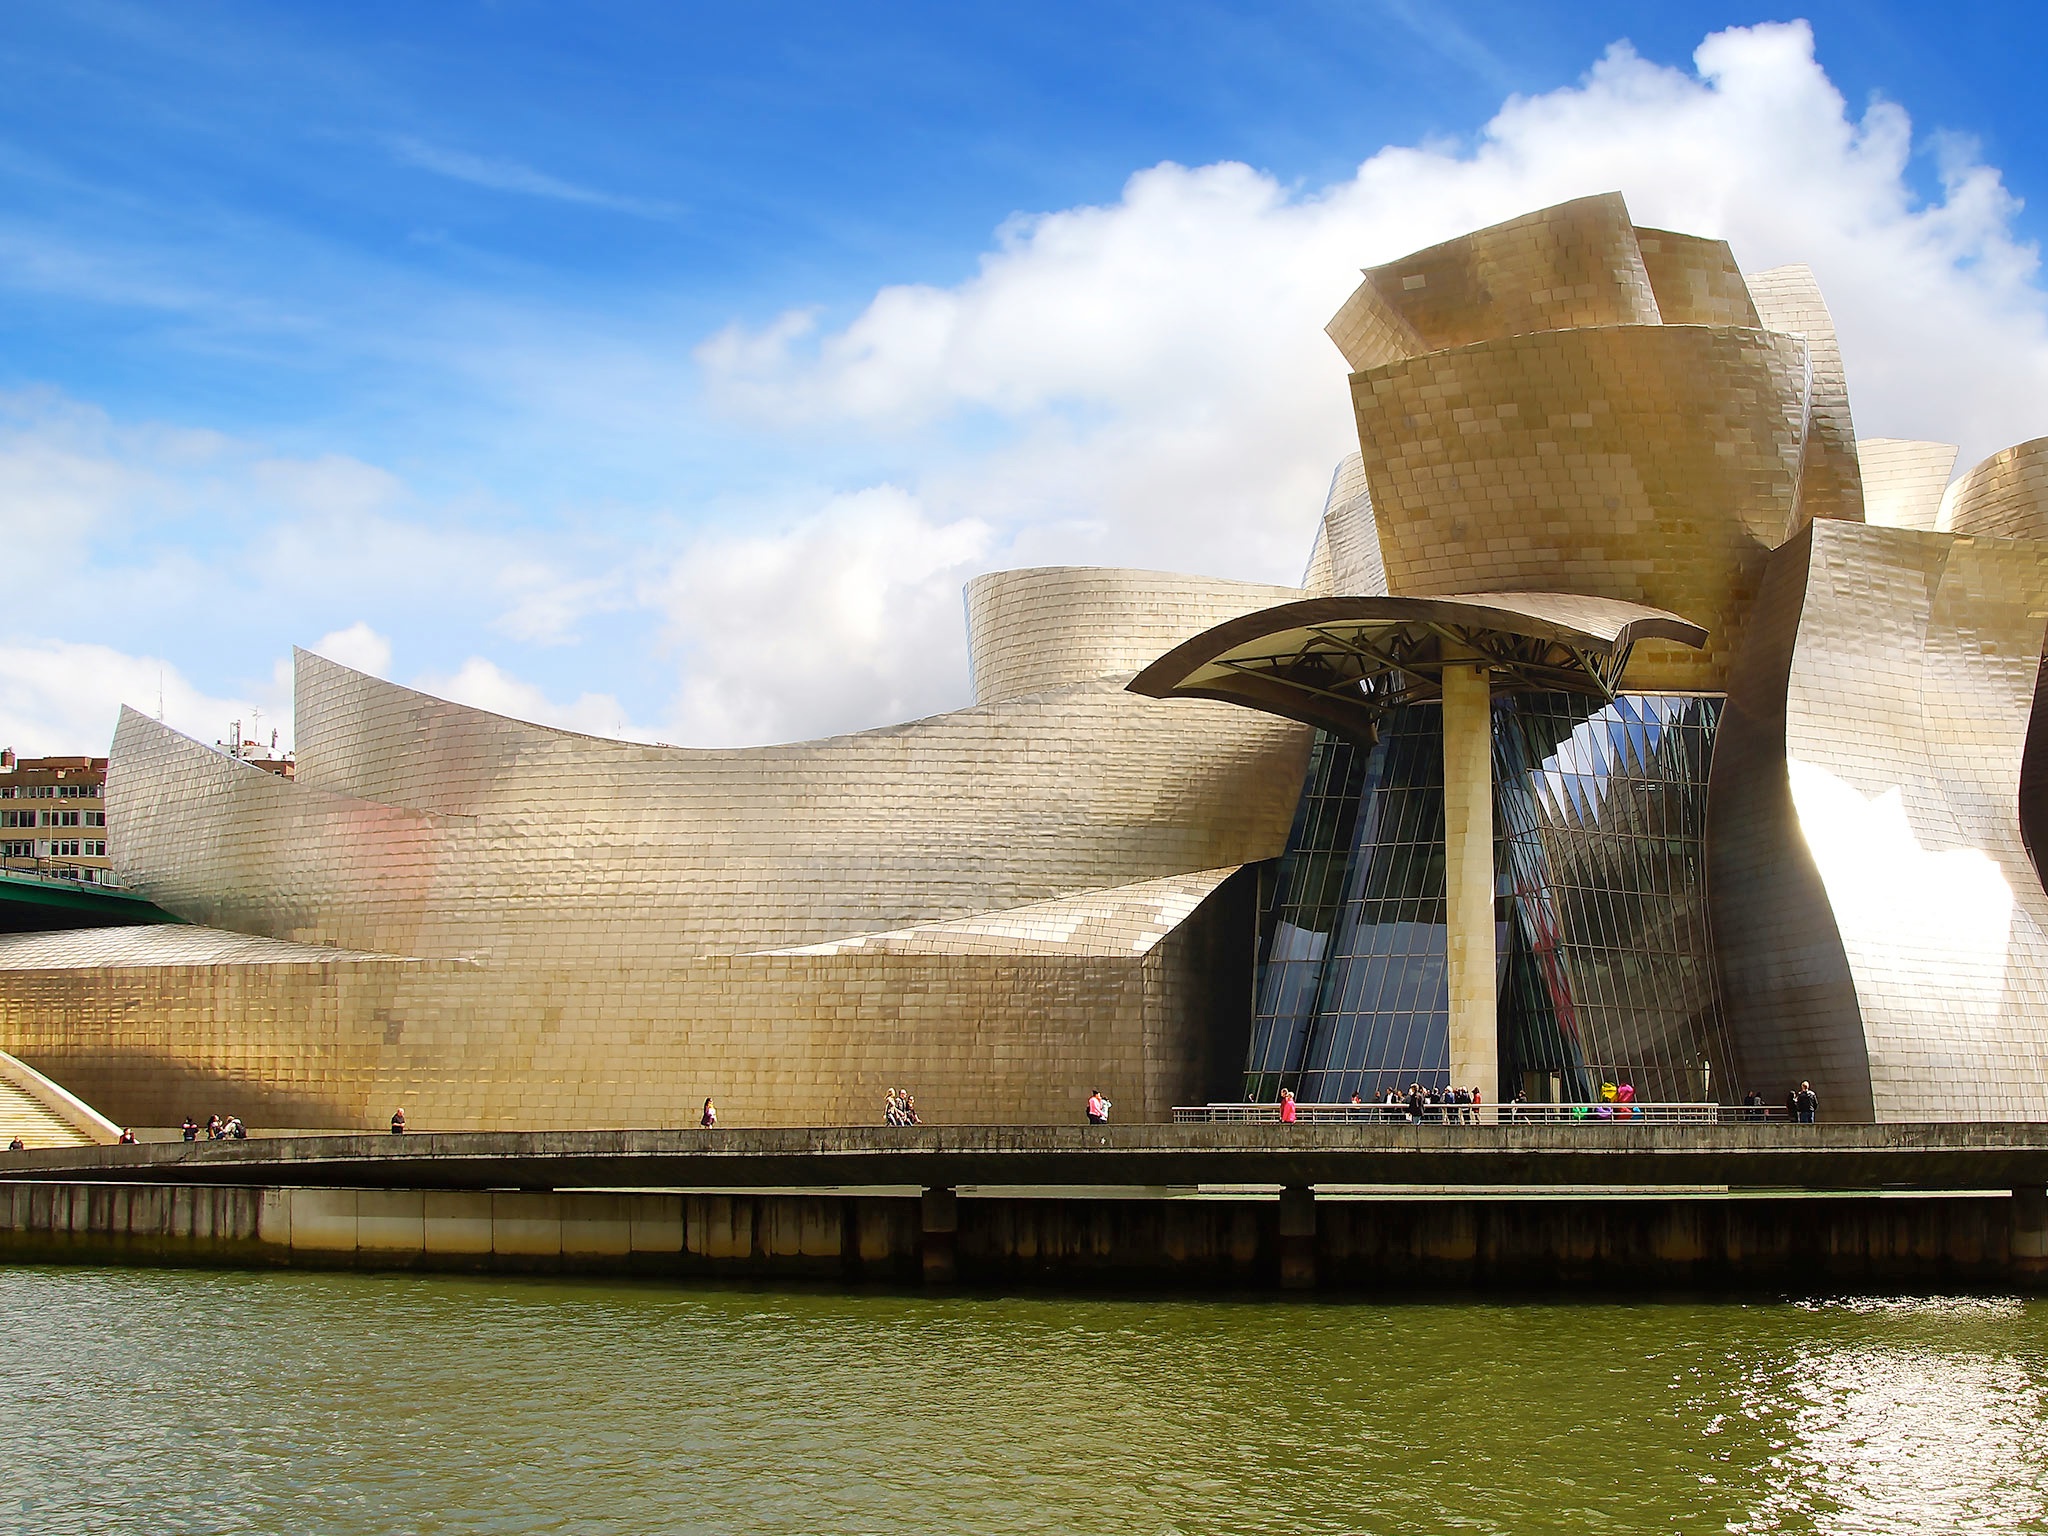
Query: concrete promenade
{"type": "Point", "coordinates": [1946, 1156]}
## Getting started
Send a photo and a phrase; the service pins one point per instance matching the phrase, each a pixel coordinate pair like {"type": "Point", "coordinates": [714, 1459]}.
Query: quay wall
{"type": "Point", "coordinates": [1798, 1243]}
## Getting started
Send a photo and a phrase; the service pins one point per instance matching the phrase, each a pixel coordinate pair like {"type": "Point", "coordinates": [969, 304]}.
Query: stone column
{"type": "Point", "coordinates": [2029, 1244]}
{"type": "Point", "coordinates": [938, 1235]}
{"type": "Point", "coordinates": [1468, 878]}
{"type": "Point", "coordinates": [1298, 1237]}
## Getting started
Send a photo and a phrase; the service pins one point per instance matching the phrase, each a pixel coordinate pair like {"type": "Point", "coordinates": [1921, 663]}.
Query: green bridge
{"type": "Point", "coordinates": [31, 903]}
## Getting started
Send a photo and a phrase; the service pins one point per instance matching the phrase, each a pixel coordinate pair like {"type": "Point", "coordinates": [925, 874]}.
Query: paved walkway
{"type": "Point", "coordinates": [1605, 1155]}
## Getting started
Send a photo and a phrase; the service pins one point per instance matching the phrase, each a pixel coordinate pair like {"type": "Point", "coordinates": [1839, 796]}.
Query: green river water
{"type": "Point", "coordinates": [189, 1401]}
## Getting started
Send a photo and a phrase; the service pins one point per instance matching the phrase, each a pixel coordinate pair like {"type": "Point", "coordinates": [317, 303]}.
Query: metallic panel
{"type": "Point", "coordinates": [2005, 496]}
{"type": "Point", "coordinates": [1696, 280]}
{"type": "Point", "coordinates": [1903, 481]}
{"type": "Point", "coordinates": [1651, 464]}
{"type": "Point", "coordinates": [1031, 631]}
{"type": "Point", "coordinates": [495, 923]}
{"type": "Point", "coordinates": [534, 840]}
{"type": "Point", "coordinates": [1575, 264]}
{"type": "Point", "coordinates": [1788, 300]}
{"type": "Point", "coordinates": [1346, 559]}
{"type": "Point", "coordinates": [619, 1040]}
{"type": "Point", "coordinates": [1881, 928]}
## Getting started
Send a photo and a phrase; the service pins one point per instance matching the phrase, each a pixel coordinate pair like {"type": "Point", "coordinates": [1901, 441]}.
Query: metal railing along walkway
{"type": "Point", "coordinates": [1482, 1114]}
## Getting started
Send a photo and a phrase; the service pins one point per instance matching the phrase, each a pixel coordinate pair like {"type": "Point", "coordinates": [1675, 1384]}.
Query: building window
{"type": "Point", "coordinates": [95, 849]}
{"type": "Point", "coordinates": [17, 850]}
{"type": "Point", "coordinates": [60, 818]}
{"type": "Point", "coordinates": [17, 818]}
{"type": "Point", "coordinates": [64, 848]}
{"type": "Point", "coordinates": [95, 818]}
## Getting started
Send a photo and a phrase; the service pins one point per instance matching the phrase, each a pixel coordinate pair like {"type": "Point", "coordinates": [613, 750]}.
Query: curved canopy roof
{"type": "Point", "coordinates": [1341, 662]}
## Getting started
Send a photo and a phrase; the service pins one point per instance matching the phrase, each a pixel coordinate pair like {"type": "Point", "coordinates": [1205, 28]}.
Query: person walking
{"type": "Point", "coordinates": [709, 1119]}
{"type": "Point", "coordinates": [1098, 1108]}
{"type": "Point", "coordinates": [398, 1122]}
{"type": "Point", "coordinates": [1287, 1111]}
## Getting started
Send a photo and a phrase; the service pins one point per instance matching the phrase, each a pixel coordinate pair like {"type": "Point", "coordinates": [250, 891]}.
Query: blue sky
{"type": "Point", "coordinates": [576, 359]}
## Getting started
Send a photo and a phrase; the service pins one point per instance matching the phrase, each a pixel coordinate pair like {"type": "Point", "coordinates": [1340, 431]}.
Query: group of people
{"type": "Point", "coordinates": [1098, 1108]}
{"type": "Point", "coordinates": [216, 1129]}
{"type": "Point", "coordinates": [1458, 1105]}
{"type": "Point", "coordinates": [900, 1108]}
{"type": "Point", "coordinates": [1802, 1105]}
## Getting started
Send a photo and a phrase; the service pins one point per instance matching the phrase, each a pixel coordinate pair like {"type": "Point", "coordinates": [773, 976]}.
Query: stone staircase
{"type": "Point", "coordinates": [23, 1115]}
{"type": "Point", "coordinates": [43, 1114]}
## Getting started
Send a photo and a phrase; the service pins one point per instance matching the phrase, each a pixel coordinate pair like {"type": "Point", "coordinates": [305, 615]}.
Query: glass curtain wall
{"type": "Point", "coordinates": [1601, 938]}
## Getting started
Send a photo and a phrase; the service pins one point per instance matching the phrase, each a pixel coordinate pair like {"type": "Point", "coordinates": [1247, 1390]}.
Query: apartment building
{"type": "Point", "coordinates": [53, 817]}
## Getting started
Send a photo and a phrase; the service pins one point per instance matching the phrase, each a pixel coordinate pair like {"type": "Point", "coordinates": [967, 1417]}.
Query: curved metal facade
{"type": "Point", "coordinates": [1035, 630]}
{"type": "Point", "coordinates": [495, 923]}
{"type": "Point", "coordinates": [2005, 497]}
{"type": "Point", "coordinates": [1880, 924]}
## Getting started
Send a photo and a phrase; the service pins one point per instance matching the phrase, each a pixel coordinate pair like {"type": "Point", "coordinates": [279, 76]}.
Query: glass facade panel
{"type": "Point", "coordinates": [1605, 962]}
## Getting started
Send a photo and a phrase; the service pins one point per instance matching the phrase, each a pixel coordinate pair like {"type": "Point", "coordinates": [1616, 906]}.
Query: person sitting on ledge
{"type": "Point", "coordinates": [191, 1129]}
{"type": "Point", "coordinates": [127, 1138]}
{"type": "Point", "coordinates": [236, 1131]}
{"type": "Point", "coordinates": [398, 1122]}
{"type": "Point", "coordinates": [17, 1145]}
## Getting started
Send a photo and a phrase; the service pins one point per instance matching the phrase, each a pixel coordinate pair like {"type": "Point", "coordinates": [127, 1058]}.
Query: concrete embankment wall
{"type": "Point", "coordinates": [1812, 1242]}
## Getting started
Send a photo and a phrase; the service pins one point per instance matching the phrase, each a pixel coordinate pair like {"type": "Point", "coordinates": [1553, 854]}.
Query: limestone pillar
{"type": "Point", "coordinates": [2029, 1243]}
{"type": "Point", "coordinates": [1298, 1237]}
{"type": "Point", "coordinates": [1468, 878]}
{"type": "Point", "coordinates": [938, 1237]}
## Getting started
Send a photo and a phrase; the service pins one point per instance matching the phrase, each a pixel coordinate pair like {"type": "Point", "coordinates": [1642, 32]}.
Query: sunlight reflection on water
{"type": "Point", "coordinates": [160, 1400]}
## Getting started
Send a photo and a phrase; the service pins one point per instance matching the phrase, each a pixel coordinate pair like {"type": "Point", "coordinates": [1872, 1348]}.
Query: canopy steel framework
{"type": "Point", "coordinates": [1340, 663]}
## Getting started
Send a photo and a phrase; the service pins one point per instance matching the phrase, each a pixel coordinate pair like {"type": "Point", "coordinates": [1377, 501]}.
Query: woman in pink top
{"type": "Point", "coordinates": [1287, 1106]}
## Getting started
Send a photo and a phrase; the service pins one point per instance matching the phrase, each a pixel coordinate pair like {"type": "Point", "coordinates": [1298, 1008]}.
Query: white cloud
{"type": "Point", "coordinates": [484, 685]}
{"type": "Point", "coordinates": [1141, 383]}
{"type": "Point", "coordinates": [358, 646]}
{"type": "Point", "coordinates": [58, 699]}
{"type": "Point", "coordinates": [850, 619]}
{"type": "Point", "coordinates": [1159, 365]}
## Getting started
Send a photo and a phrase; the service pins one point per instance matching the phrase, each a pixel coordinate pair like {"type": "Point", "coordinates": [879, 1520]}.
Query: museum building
{"type": "Point", "coordinates": [1634, 723]}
